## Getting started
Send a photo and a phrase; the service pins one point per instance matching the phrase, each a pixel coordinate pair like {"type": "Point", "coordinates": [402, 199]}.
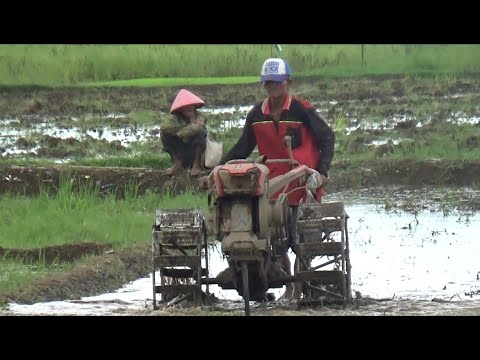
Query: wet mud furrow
{"type": "Point", "coordinates": [29, 180]}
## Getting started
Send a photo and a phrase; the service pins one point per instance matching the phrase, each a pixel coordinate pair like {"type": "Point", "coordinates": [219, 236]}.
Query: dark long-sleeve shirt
{"type": "Point", "coordinates": [296, 112]}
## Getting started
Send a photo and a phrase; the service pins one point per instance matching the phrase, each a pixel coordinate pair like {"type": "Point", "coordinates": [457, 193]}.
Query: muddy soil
{"type": "Point", "coordinates": [41, 101]}
{"type": "Point", "coordinates": [105, 269]}
{"type": "Point", "coordinates": [51, 254]}
{"type": "Point", "coordinates": [30, 180]}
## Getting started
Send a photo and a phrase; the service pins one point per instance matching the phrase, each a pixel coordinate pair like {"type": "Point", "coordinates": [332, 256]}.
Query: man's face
{"type": "Point", "coordinates": [276, 89]}
{"type": "Point", "coordinates": [188, 111]}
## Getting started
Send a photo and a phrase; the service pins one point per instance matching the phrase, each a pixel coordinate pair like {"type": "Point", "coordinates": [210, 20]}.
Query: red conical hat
{"type": "Point", "coordinates": [184, 98]}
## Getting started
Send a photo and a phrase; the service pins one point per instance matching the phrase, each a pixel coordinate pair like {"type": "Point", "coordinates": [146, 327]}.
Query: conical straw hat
{"type": "Point", "coordinates": [184, 98]}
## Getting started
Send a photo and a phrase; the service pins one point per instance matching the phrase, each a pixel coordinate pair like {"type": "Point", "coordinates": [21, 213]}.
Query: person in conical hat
{"type": "Point", "coordinates": [185, 98]}
{"type": "Point", "coordinates": [184, 135]}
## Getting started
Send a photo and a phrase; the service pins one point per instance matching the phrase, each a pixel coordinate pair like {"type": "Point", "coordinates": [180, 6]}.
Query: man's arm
{"type": "Point", "coordinates": [245, 144]}
{"type": "Point", "coordinates": [325, 138]}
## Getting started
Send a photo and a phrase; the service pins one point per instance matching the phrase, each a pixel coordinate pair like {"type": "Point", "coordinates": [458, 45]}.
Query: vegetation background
{"type": "Point", "coordinates": [152, 65]}
{"type": "Point", "coordinates": [67, 217]}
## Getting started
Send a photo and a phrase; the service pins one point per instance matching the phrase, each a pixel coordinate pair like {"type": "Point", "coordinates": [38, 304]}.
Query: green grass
{"type": "Point", "coordinates": [76, 213]}
{"type": "Point", "coordinates": [440, 141]}
{"type": "Point", "coordinates": [169, 65]}
{"type": "Point", "coordinates": [156, 82]}
{"type": "Point", "coordinates": [26, 161]}
{"type": "Point", "coordinates": [151, 161]}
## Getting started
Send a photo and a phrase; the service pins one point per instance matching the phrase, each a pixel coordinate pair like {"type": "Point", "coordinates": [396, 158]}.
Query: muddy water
{"type": "Point", "coordinates": [11, 131]}
{"type": "Point", "coordinates": [413, 252]}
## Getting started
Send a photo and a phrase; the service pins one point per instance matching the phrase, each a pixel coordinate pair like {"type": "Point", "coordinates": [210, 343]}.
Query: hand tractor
{"type": "Point", "coordinates": [250, 216]}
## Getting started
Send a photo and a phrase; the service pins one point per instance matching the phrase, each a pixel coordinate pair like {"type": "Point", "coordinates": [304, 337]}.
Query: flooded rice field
{"type": "Point", "coordinates": [413, 252]}
{"type": "Point", "coordinates": [36, 136]}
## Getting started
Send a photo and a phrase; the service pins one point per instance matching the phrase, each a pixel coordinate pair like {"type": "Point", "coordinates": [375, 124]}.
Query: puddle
{"type": "Point", "coordinates": [421, 262]}
{"type": "Point", "coordinates": [11, 131]}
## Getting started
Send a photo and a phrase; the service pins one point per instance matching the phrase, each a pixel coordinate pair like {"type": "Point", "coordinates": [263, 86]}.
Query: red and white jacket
{"type": "Point", "coordinates": [312, 140]}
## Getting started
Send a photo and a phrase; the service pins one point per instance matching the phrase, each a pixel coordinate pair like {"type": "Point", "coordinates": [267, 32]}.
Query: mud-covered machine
{"type": "Point", "coordinates": [252, 228]}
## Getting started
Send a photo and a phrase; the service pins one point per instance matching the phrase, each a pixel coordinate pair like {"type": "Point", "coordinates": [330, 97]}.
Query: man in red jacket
{"type": "Point", "coordinates": [270, 121]}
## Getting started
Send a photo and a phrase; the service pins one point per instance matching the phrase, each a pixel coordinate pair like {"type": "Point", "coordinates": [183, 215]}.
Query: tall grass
{"type": "Point", "coordinates": [59, 65]}
{"type": "Point", "coordinates": [77, 213]}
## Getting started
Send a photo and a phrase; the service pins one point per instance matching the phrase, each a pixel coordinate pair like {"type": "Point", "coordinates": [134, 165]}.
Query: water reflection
{"type": "Point", "coordinates": [10, 129]}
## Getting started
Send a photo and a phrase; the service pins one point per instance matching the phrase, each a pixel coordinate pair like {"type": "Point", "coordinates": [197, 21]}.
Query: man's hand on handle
{"type": "Point", "coordinates": [316, 180]}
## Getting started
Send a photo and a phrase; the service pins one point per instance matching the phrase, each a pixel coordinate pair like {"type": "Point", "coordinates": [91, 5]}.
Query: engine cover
{"type": "Point", "coordinates": [240, 178]}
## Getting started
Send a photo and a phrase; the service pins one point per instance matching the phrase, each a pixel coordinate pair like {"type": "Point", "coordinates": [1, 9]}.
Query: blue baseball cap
{"type": "Point", "coordinates": [275, 69]}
